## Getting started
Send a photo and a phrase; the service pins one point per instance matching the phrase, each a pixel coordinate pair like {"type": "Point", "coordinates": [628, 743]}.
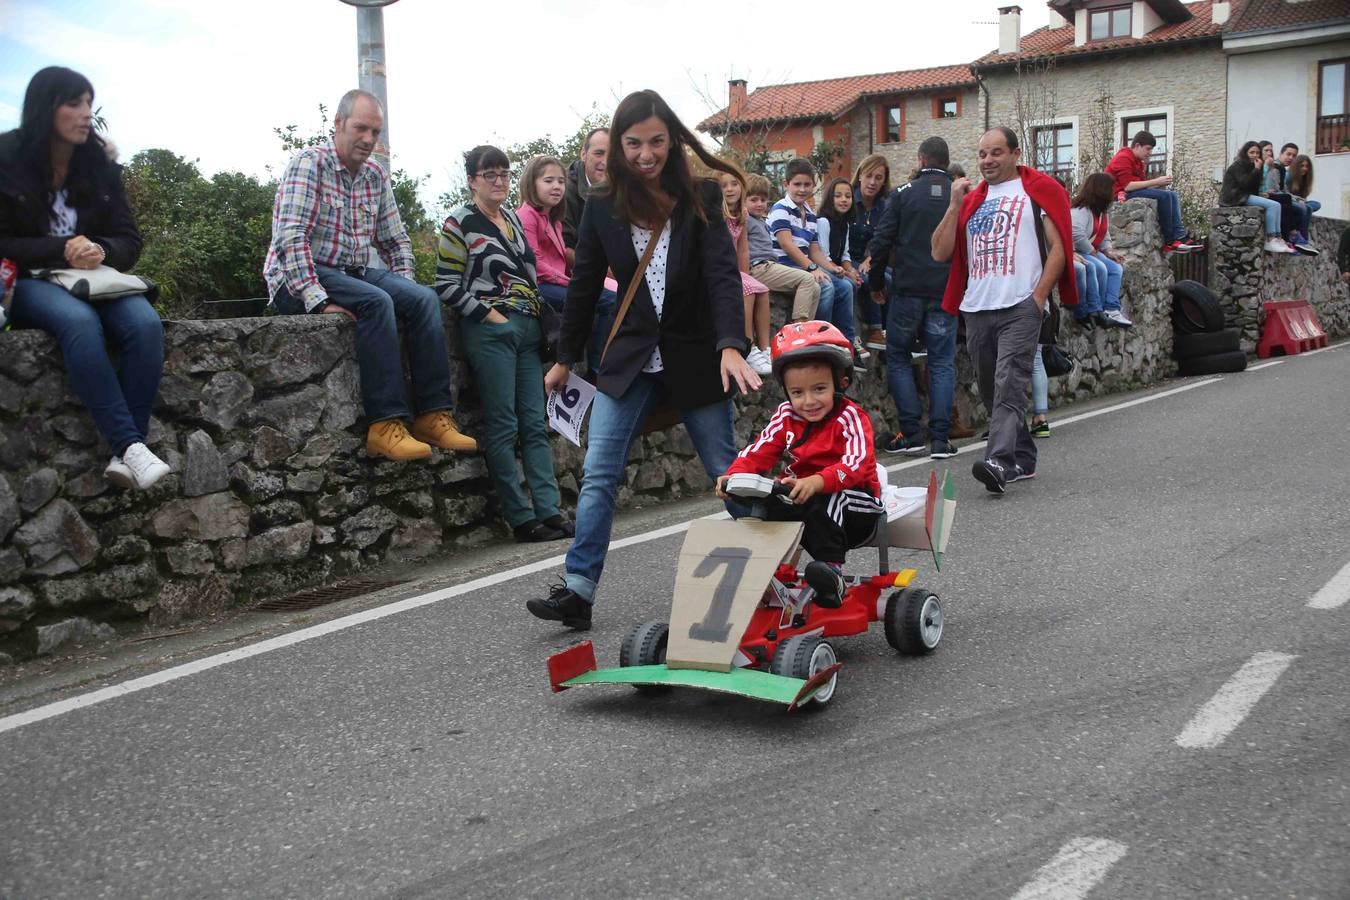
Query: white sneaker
{"type": "Point", "coordinates": [118, 474]}
{"type": "Point", "coordinates": [1119, 318]}
{"type": "Point", "coordinates": [1276, 245]}
{"type": "Point", "coordinates": [860, 351]}
{"type": "Point", "coordinates": [146, 468]}
{"type": "Point", "coordinates": [759, 360]}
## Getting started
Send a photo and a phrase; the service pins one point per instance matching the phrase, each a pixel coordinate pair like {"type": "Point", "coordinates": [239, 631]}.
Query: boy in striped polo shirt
{"type": "Point", "coordinates": [792, 222]}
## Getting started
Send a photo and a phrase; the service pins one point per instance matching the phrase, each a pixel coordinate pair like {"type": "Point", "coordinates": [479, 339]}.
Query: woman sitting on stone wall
{"type": "Point", "coordinates": [62, 206]}
{"type": "Point", "coordinates": [485, 270]}
{"type": "Point", "coordinates": [1242, 187]}
{"type": "Point", "coordinates": [1092, 244]}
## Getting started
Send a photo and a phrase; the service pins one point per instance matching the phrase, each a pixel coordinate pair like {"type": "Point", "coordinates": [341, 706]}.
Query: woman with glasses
{"type": "Point", "coordinates": [682, 337]}
{"type": "Point", "coordinates": [485, 271]}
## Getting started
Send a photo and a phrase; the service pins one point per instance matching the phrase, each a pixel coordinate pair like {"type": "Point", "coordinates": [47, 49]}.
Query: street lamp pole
{"type": "Point", "coordinates": [370, 60]}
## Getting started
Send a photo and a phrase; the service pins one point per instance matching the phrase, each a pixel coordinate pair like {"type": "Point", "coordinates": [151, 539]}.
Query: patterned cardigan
{"type": "Point", "coordinates": [479, 269]}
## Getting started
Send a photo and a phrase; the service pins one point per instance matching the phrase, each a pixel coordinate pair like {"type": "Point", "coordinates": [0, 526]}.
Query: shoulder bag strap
{"type": "Point", "coordinates": [638, 275]}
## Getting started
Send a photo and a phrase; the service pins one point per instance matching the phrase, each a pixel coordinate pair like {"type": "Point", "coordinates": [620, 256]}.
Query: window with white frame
{"type": "Point", "coordinates": [1155, 124]}
{"type": "Point", "coordinates": [1052, 149]}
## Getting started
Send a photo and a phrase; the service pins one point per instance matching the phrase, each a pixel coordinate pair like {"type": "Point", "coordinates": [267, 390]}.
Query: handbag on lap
{"type": "Point", "coordinates": [97, 285]}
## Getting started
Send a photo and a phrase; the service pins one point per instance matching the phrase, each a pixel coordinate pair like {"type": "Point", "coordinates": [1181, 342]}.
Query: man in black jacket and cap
{"type": "Point", "coordinates": [914, 303]}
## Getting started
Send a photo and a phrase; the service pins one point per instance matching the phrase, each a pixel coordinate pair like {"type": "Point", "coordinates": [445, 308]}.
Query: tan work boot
{"type": "Point", "coordinates": [439, 430]}
{"type": "Point", "coordinates": [391, 440]}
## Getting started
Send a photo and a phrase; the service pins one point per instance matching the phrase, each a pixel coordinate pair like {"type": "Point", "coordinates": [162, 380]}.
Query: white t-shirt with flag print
{"type": "Point", "coordinates": [1002, 256]}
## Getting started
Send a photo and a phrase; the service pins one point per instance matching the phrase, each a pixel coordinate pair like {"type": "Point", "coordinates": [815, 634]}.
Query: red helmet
{"type": "Point", "coordinates": [817, 340]}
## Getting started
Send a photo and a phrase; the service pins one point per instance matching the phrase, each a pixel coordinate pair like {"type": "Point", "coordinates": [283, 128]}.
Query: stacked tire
{"type": "Point", "coordinates": [1201, 344]}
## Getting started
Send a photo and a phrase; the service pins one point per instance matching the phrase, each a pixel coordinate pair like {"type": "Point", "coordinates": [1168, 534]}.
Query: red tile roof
{"type": "Point", "coordinates": [1263, 15]}
{"type": "Point", "coordinates": [1058, 42]}
{"type": "Point", "coordinates": [831, 98]}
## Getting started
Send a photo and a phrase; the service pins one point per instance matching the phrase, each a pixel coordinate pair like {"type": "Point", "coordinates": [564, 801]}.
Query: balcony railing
{"type": "Point", "coordinates": [1333, 133]}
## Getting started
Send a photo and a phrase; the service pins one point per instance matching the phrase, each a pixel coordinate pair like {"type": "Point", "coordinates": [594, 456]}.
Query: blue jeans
{"type": "Point", "coordinates": [1103, 285]}
{"type": "Point", "coordinates": [1084, 309]}
{"type": "Point", "coordinates": [1305, 210]}
{"type": "Point", "coordinates": [380, 300]}
{"type": "Point", "coordinates": [1169, 211]}
{"type": "Point", "coordinates": [118, 400]}
{"type": "Point", "coordinates": [908, 316]}
{"type": "Point", "coordinates": [615, 424]}
{"type": "Point", "coordinates": [836, 305]}
{"type": "Point", "coordinates": [556, 295]}
{"type": "Point", "coordinates": [1272, 211]}
{"type": "Point", "coordinates": [1040, 384]}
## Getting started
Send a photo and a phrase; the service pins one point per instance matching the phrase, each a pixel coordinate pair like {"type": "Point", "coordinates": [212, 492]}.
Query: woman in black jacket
{"type": "Point", "coordinates": [62, 206]}
{"type": "Point", "coordinates": [682, 339]}
{"type": "Point", "coordinates": [1242, 187]}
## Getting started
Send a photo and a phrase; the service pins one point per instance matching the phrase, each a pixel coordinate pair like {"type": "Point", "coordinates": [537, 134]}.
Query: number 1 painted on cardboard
{"type": "Point", "coordinates": [716, 623]}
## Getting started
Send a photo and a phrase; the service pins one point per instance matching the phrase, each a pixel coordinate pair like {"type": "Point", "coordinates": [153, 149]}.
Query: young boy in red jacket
{"type": "Point", "coordinates": [826, 440]}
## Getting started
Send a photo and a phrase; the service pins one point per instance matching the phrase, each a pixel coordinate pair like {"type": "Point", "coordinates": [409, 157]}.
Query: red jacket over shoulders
{"type": "Point", "coordinates": [1125, 167]}
{"type": "Point", "coordinates": [1053, 200]}
{"type": "Point", "coordinates": [838, 448]}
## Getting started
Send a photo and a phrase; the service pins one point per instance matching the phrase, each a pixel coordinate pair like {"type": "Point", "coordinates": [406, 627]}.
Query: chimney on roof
{"type": "Point", "coordinates": [1220, 10]}
{"type": "Point", "coordinates": [735, 98]}
{"type": "Point", "coordinates": [1009, 29]}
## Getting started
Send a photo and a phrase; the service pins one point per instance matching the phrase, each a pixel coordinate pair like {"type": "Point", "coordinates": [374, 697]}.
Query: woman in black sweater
{"type": "Point", "coordinates": [1242, 187]}
{"type": "Point", "coordinates": [62, 206]}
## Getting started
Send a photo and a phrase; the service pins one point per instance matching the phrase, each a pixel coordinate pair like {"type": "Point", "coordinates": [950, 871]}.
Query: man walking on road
{"type": "Point", "coordinates": [1004, 262]}
{"type": "Point", "coordinates": [333, 204]}
{"type": "Point", "coordinates": [914, 307]}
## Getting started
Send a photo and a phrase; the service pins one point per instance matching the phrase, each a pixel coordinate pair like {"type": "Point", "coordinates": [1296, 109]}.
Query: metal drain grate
{"type": "Point", "coordinates": [313, 597]}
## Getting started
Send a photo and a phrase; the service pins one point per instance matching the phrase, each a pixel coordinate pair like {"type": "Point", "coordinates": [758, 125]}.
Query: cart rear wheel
{"type": "Point", "coordinates": [802, 656]}
{"type": "Point", "coordinates": [646, 646]}
{"type": "Point", "coordinates": [914, 621]}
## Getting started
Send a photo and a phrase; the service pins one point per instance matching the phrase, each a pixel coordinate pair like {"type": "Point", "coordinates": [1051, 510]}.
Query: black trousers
{"type": "Point", "coordinates": [834, 523]}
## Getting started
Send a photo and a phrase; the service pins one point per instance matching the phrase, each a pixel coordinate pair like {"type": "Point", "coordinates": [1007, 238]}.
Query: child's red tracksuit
{"type": "Point", "coordinates": [838, 449]}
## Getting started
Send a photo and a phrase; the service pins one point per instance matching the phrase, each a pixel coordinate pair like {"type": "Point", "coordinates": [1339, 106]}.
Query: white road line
{"type": "Point", "coordinates": [1074, 871]}
{"type": "Point", "coordinates": [1264, 365]}
{"type": "Point", "coordinates": [1334, 593]}
{"type": "Point", "coordinates": [60, 707]}
{"type": "Point", "coordinates": [1226, 709]}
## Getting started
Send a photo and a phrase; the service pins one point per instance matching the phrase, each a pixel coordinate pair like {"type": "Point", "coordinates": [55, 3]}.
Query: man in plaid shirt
{"type": "Point", "coordinates": [333, 204]}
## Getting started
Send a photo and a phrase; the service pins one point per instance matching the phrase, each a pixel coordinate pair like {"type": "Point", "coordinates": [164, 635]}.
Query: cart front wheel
{"type": "Point", "coordinates": [802, 656]}
{"type": "Point", "coordinates": [646, 646]}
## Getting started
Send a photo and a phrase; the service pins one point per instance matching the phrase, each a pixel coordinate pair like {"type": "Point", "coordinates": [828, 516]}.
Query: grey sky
{"type": "Point", "coordinates": [210, 79]}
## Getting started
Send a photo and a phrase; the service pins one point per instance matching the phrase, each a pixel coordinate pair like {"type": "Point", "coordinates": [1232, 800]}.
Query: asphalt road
{"type": "Point", "coordinates": [1133, 698]}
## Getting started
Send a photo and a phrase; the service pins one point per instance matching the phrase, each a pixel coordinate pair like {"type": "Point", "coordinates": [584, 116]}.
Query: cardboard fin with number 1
{"type": "Point", "coordinates": [723, 571]}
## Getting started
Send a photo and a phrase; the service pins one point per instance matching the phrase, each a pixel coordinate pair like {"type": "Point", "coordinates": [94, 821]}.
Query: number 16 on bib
{"type": "Point", "coordinates": [568, 406]}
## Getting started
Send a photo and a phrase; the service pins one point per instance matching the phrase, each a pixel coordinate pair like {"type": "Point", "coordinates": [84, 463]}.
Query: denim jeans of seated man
{"type": "Point", "coordinates": [909, 317]}
{"type": "Point", "coordinates": [380, 300]}
{"type": "Point", "coordinates": [615, 424]}
{"type": "Point", "coordinates": [1169, 211]}
{"type": "Point", "coordinates": [119, 401]}
{"type": "Point", "coordinates": [555, 295]}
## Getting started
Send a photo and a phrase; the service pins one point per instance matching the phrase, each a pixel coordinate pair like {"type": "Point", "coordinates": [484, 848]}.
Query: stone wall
{"type": "Point", "coordinates": [1244, 275]}
{"type": "Point", "coordinates": [272, 490]}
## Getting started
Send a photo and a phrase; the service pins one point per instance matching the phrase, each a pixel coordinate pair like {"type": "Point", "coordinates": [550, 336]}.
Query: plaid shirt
{"type": "Point", "coordinates": [324, 215]}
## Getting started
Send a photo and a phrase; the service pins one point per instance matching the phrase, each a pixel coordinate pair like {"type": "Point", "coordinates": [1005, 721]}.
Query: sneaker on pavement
{"type": "Point", "coordinates": [1020, 473]}
{"type": "Point", "coordinates": [391, 440]}
{"type": "Point", "coordinates": [146, 468]}
{"type": "Point", "coordinates": [876, 338]}
{"type": "Point", "coordinates": [563, 605]}
{"type": "Point", "coordinates": [1118, 319]}
{"type": "Point", "coordinates": [759, 361]}
{"type": "Point", "coordinates": [941, 449]}
{"type": "Point", "coordinates": [906, 445]}
{"type": "Point", "coordinates": [991, 475]}
{"type": "Point", "coordinates": [1040, 429]}
{"type": "Point", "coordinates": [439, 430]}
{"type": "Point", "coordinates": [827, 582]}
{"type": "Point", "coordinates": [119, 474]}
{"type": "Point", "coordinates": [561, 523]}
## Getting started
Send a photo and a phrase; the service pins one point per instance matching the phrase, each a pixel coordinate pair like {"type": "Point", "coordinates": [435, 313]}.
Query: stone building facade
{"type": "Point", "coordinates": [922, 117]}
